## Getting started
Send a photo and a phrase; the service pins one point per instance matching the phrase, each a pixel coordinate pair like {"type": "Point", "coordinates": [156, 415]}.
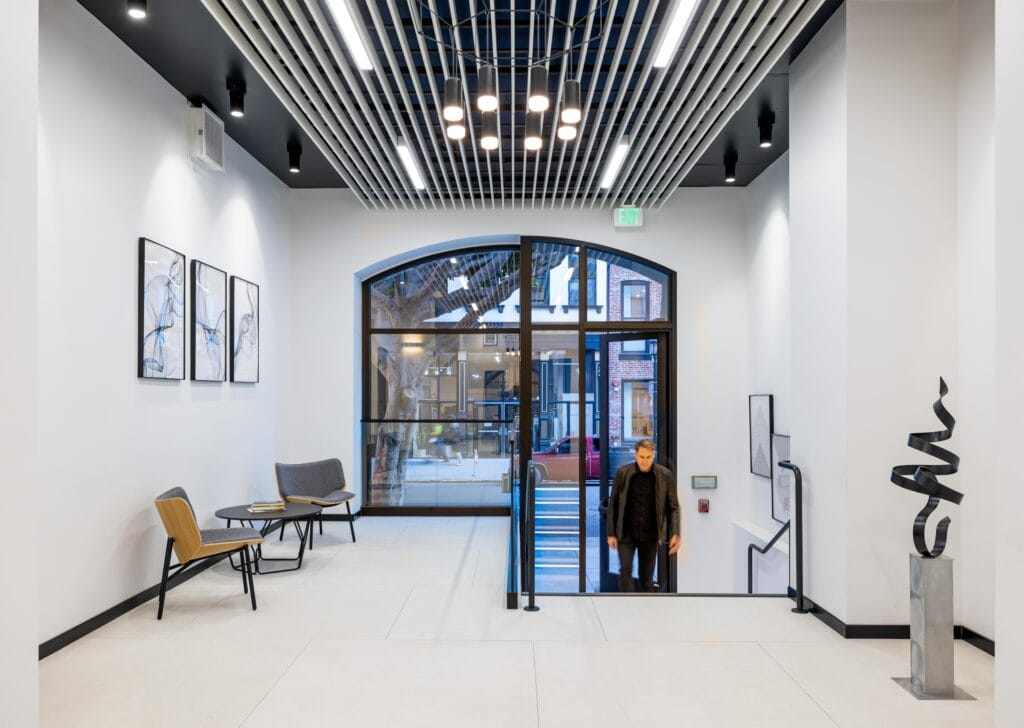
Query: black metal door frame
{"type": "Point", "coordinates": [662, 443]}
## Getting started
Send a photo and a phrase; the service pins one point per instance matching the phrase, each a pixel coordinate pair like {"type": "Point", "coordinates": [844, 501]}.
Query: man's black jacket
{"type": "Point", "coordinates": [666, 501]}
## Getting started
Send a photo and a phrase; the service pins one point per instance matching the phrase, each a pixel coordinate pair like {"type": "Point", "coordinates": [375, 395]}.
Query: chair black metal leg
{"type": "Point", "coordinates": [281, 537]}
{"type": "Point", "coordinates": [351, 521]}
{"type": "Point", "coordinates": [248, 572]}
{"type": "Point", "coordinates": [245, 579]}
{"type": "Point", "coordinates": [321, 523]}
{"type": "Point", "coordinates": [163, 579]}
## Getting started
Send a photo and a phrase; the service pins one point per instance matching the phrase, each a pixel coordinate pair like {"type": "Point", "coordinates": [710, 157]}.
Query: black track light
{"type": "Point", "coordinates": [294, 154]}
{"type": "Point", "coordinates": [730, 165]}
{"type": "Point", "coordinates": [236, 97]}
{"type": "Point", "coordinates": [765, 122]}
{"type": "Point", "coordinates": [137, 9]}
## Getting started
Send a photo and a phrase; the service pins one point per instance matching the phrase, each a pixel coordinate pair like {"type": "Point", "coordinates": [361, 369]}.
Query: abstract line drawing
{"type": "Point", "coordinates": [209, 323]}
{"type": "Point", "coordinates": [245, 331]}
{"type": "Point", "coordinates": [926, 477]}
{"type": "Point", "coordinates": [161, 311]}
{"type": "Point", "coordinates": [782, 479]}
{"type": "Point", "coordinates": [761, 427]}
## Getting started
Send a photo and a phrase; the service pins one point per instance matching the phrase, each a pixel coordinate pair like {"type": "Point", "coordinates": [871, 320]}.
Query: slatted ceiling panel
{"type": "Point", "coordinates": [672, 115]}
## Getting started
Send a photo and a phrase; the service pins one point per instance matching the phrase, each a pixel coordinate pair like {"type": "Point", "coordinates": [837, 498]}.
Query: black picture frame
{"type": "Point", "coordinates": [161, 312]}
{"type": "Point", "coordinates": [761, 420]}
{"type": "Point", "coordinates": [245, 331]}
{"type": "Point", "coordinates": [782, 480]}
{"type": "Point", "coordinates": [209, 286]}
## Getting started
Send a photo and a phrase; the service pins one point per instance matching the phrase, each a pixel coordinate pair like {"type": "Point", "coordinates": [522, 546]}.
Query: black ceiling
{"type": "Point", "coordinates": [184, 43]}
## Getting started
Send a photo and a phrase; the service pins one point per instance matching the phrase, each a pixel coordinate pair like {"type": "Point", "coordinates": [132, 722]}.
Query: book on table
{"type": "Point", "coordinates": [264, 506]}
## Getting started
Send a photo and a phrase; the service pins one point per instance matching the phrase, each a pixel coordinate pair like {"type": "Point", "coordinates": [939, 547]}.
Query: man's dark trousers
{"type": "Point", "coordinates": [648, 552]}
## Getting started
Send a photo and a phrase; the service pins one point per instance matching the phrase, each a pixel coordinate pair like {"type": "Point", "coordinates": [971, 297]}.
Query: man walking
{"type": "Point", "coordinates": [642, 511]}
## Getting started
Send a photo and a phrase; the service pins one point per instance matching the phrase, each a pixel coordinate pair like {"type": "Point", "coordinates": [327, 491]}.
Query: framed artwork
{"type": "Point", "coordinates": [245, 331]}
{"type": "Point", "coordinates": [762, 424]}
{"type": "Point", "coordinates": [161, 311]}
{"type": "Point", "coordinates": [209, 323]}
{"type": "Point", "coordinates": [782, 479]}
{"type": "Point", "coordinates": [490, 339]}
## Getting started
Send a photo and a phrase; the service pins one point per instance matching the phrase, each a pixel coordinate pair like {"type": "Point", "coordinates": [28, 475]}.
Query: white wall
{"type": "Point", "coordinates": [19, 72]}
{"type": "Point", "coordinates": [976, 322]}
{"type": "Point", "coordinates": [1009, 191]}
{"type": "Point", "coordinates": [768, 281]}
{"type": "Point", "coordinates": [113, 167]}
{"type": "Point", "coordinates": [818, 239]}
{"type": "Point", "coordinates": [700, 235]}
{"type": "Point", "coordinates": [901, 278]}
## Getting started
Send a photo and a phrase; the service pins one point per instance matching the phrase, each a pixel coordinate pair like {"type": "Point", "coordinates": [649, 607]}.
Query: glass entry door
{"type": "Point", "coordinates": [631, 378]}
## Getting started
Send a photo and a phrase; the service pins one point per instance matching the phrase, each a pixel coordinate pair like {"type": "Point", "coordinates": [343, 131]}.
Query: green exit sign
{"type": "Point", "coordinates": [629, 217]}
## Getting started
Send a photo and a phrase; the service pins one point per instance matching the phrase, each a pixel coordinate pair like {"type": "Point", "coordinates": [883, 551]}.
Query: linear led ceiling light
{"type": "Point", "coordinates": [730, 165]}
{"type": "Point", "coordinates": [765, 122]}
{"type": "Point", "coordinates": [487, 89]}
{"type": "Point", "coordinates": [294, 156]}
{"type": "Point", "coordinates": [137, 9]}
{"type": "Point", "coordinates": [615, 163]}
{"type": "Point", "coordinates": [539, 100]}
{"type": "Point", "coordinates": [350, 33]}
{"type": "Point", "coordinates": [236, 97]}
{"type": "Point", "coordinates": [674, 32]}
{"type": "Point", "coordinates": [489, 134]}
{"type": "Point", "coordinates": [411, 168]}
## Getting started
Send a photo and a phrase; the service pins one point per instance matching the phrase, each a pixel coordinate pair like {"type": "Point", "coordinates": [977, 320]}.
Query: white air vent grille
{"type": "Point", "coordinates": [206, 135]}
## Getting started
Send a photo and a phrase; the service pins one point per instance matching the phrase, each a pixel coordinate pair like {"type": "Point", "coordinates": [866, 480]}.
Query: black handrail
{"type": "Point", "coordinates": [750, 556]}
{"type": "Point", "coordinates": [799, 530]}
{"type": "Point", "coordinates": [530, 551]}
{"type": "Point", "coordinates": [512, 577]}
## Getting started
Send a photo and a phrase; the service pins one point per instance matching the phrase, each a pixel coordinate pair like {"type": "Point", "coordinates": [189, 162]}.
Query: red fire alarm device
{"type": "Point", "coordinates": [703, 505]}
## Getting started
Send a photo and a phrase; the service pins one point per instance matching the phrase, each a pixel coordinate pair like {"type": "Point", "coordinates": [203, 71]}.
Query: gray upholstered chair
{"type": "Point", "coordinates": [191, 544]}
{"type": "Point", "coordinates": [321, 483]}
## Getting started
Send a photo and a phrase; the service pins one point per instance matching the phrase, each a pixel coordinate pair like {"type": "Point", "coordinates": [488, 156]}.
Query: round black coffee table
{"type": "Point", "coordinates": [297, 513]}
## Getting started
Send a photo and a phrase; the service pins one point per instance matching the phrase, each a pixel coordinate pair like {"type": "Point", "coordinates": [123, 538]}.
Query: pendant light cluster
{"type": "Point", "coordinates": [538, 102]}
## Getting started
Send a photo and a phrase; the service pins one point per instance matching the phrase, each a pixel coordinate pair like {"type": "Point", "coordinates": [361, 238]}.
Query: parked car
{"type": "Point", "coordinates": [561, 460]}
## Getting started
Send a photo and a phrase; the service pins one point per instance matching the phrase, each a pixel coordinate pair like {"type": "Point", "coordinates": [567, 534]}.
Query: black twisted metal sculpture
{"type": "Point", "coordinates": [925, 478]}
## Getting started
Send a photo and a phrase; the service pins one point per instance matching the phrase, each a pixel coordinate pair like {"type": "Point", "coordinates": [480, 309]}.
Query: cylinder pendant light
{"type": "Point", "coordinates": [566, 132]}
{"type": "Point", "coordinates": [538, 89]}
{"type": "Point", "coordinates": [236, 98]}
{"type": "Point", "coordinates": [456, 130]}
{"type": "Point", "coordinates": [487, 100]}
{"type": "Point", "coordinates": [533, 140]}
{"type": "Point", "coordinates": [294, 155]}
{"type": "Point", "coordinates": [572, 112]}
{"type": "Point", "coordinates": [489, 132]}
{"type": "Point", "coordinates": [765, 122]}
{"type": "Point", "coordinates": [137, 9]}
{"type": "Point", "coordinates": [730, 165]}
{"type": "Point", "coordinates": [453, 110]}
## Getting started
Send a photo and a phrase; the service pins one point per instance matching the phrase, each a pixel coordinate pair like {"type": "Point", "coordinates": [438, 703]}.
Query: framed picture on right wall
{"type": "Point", "coordinates": [762, 425]}
{"type": "Point", "coordinates": [782, 480]}
{"type": "Point", "coordinates": [245, 331]}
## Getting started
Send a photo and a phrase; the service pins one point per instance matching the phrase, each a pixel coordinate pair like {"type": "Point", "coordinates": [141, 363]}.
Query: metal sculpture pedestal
{"type": "Point", "coordinates": [931, 631]}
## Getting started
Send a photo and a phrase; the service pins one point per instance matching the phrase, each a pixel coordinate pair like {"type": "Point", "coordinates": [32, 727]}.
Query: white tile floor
{"type": "Point", "coordinates": [407, 627]}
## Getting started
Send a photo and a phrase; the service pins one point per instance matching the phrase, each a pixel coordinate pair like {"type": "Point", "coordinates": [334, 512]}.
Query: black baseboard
{"type": "Point", "coordinates": [118, 610]}
{"type": "Point", "coordinates": [106, 617]}
{"type": "Point", "coordinates": [435, 510]}
{"type": "Point", "coordinates": [892, 631]}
